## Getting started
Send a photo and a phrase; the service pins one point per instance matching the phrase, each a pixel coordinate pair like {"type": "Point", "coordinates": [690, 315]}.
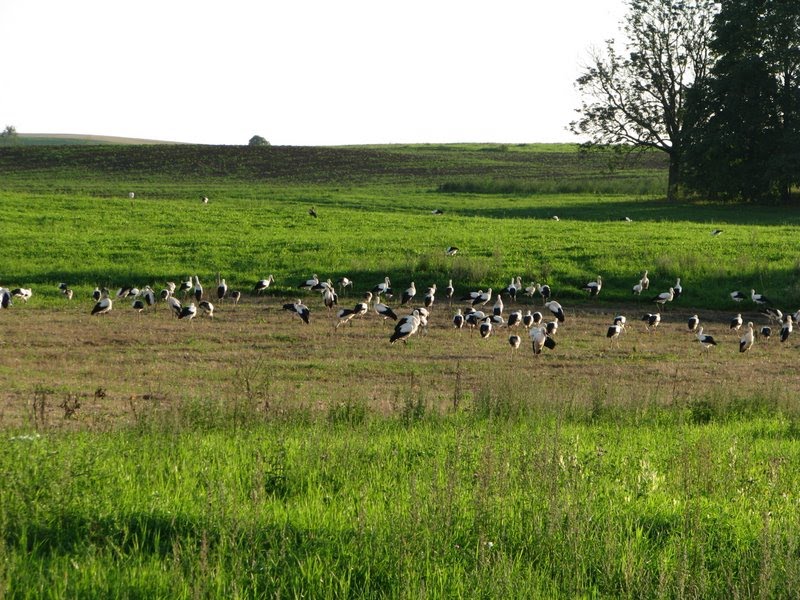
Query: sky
{"type": "Point", "coordinates": [300, 72]}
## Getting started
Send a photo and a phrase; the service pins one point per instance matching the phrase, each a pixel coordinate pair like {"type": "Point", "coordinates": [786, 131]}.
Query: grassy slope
{"type": "Point", "coordinates": [212, 461]}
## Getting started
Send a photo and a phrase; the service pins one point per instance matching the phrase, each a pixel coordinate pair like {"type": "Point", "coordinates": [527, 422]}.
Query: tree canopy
{"type": "Point", "coordinates": [636, 95]}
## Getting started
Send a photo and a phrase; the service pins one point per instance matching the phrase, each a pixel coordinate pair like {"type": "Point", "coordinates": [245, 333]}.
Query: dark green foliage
{"type": "Point", "coordinates": [748, 111]}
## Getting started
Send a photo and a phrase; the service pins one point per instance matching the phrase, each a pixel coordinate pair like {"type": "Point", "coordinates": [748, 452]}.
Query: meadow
{"type": "Point", "coordinates": [254, 456]}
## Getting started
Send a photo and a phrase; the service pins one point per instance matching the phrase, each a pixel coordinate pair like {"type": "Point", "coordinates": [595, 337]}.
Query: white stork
{"type": "Point", "coordinates": [483, 298]}
{"type": "Point", "coordinates": [263, 284]}
{"type": "Point", "coordinates": [651, 320]}
{"type": "Point", "coordinates": [406, 327]}
{"type": "Point", "coordinates": [637, 289]}
{"type": "Point", "coordinates": [449, 291]}
{"type": "Point", "coordinates": [198, 289]}
{"type": "Point", "coordinates": [515, 318]}
{"type": "Point", "coordinates": [738, 296]}
{"type": "Point", "coordinates": [645, 281]}
{"type": "Point", "coordinates": [344, 282]}
{"type": "Point", "coordinates": [206, 308]}
{"type": "Point", "coordinates": [103, 305]}
{"type": "Point", "coordinates": [613, 332]}
{"type": "Point", "coordinates": [22, 293]}
{"type": "Point", "coordinates": [309, 283]}
{"type": "Point", "coordinates": [222, 289]}
{"type": "Point", "coordinates": [486, 327]}
{"type": "Point", "coordinates": [430, 296]}
{"type": "Point", "coordinates": [300, 309]}
{"type": "Point", "coordinates": [497, 309]}
{"type": "Point", "coordinates": [188, 312]}
{"type": "Point", "coordinates": [329, 298]}
{"type": "Point", "coordinates": [693, 323]}
{"type": "Point", "coordinates": [186, 286]}
{"type": "Point", "coordinates": [746, 342]}
{"type": "Point", "coordinates": [408, 294]}
{"type": "Point", "coordinates": [773, 314]}
{"type": "Point", "coordinates": [594, 287]}
{"type": "Point", "coordinates": [236, 295]}
{"type": "Point", "coordinates": [458, 320]}
{"type": "Point", "coordinates": [551, 327]}
{"type": "Point", "coordinates": [174, 305]}
{"type": "Point", "coordinates": [138, 305]}
{"type": "Point", "coordinates": [149, 296]}
{"type": "Point", "coordinates": [383, 288]}
{"type": "Point", "coordinates": [545, 291]}
{"type": "Point", "coordinates": [451, 250]}
{"type": "Point", "coordinates": [514, 341]}
{"type": "Point", "coordinates": [557, 310]}
{"type": "Point", "coordinates": [677, 288]}
{"type": "Point", "coordinates": [385, 312]}
{"type": "Point", "coordinates": [736, 322]}
{"type": "Point", "coordinates": [759, 298]}
{"type": "Point", "coordinates": [540, 339]}
{"type": "Point", "coordinates": [786, 328]}
{"type": "Point", "coordinates": [765, 332]}
{"type": "Point", "coordinates": [706, 341]}
{"type": "Point", "coordinates": [664, 297]}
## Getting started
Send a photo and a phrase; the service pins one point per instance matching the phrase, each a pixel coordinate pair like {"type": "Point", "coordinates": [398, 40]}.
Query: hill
{"type": "Point", "coordinates": [58, 139]}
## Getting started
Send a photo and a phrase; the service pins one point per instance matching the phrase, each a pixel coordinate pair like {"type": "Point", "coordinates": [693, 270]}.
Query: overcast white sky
{"type": "Point", "coordinates": [314, 72]}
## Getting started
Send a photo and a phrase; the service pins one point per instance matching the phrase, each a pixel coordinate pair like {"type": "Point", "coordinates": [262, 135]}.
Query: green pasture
{"type": "Point", "coordinates": [67, 212]}
{"type": "Point", "coordinates": [253, 456]}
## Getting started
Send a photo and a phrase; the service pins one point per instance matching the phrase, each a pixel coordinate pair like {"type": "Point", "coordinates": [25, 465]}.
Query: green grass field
{"type": "Point", "coordinates": [254, 456]}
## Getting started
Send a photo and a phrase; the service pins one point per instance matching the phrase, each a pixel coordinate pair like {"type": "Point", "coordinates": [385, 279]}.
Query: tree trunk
{"type": "Point", "coordinates": [674, 176]}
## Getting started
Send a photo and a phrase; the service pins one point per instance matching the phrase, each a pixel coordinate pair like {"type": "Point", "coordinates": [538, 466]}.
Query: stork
{"type": "Point", "coordinates": [263, 284]}
{"type": "Point", "coordinates": [330, 298]}
{"type": "Point", "coordinates": [706, 341]}
{"type": "Point", "coordinates": [540, 339]}
{"type": "Point", "coordinates": [746, 342]}
{"type": "Point", "coordinates": [406, 327]}
{"type": "Point", "coordinates": [765, 332]}
{"type": "Point", "coordinates": [738, 296]}
{"type": "Point", "coordinates": [451, 250]}
{"type": "Point", "coordinates": [174, 305]}
{"type": "Point", "coordinates": [651, 320]}
{"type": "Point", "coordinates": [186, 286]}
{"type": "Point", "coordinates": [637, 289]}
{"type": "Point", "coordinates": [206, 308]}
{"type": "Point", "coordinates": [5, 298]}
{"type": "Point", "coordinates": [773, 314]}
{"type": "Point", "coordinates": [486, 327]}
{"type": "Point", "coordinates": [383, 288]}
{"type": "Point", "coordinates": [408, 294]}
{"type": "Point", "coordinates": [236, 295]}
{"type": "Point", "coordinates": [786, 328]}
{"type": "Point", "coordinates": [430, 296]}
{"type": "Point", "coordinates": [483, 298]}
{"type": "Point", "coordinates": [222, 289]}
{"type": "Point", "coordinates": [545, 291]}
{"type": "Point", "coordinates": [613, 333]}
{"type": "Point", "coordinates": [149, 295]}
{"type": "Point", "coordinates": [344, 282]}
{"type": "Point", "coordinates": [693, 322]}
{"type": "Point", "coordinates": [301, 310]}
{"type": "Point", "coordinates": [188, 312]}
{"type": "Point", "coordinates": [515, 318]}
{"type": "Point", "coordinates": [309, 283]}
{"type": "Point", "coordinates": [458, 319]}
{"type": "Point", "coordinates": [645, 281]}
{"type": "Point", "coordinates": [449, 291]}
{"type": "Point", "coordinates": [312, 212]}
{"type": "Point", "coordinates": [514, 341]}
{"type": "Point", "coordinates": [736, 322]}
{"type": "Point", "coordinates": [513, 287]}
{"type": "Point", "coordinates": [204, 199]}
{"type": "Point", "coordinates": [497, 309]}
{"type": "Point", "coordinates": [759, 298]}
{"type": "Point", "coordinates": [677, 288]}
{"type": "Point", "coordinates": [664, 297]}
{"type": "Point", "coordinates": [103, 305]}
{"type": "Point", "coordinates": [23, 293]}
{"type": "Point", "coordinates": [594, 287]}
{"type": "Point", "coordinates": [555, 308]}
{"type": "Point", "coordinates": [198, 289]}
{"type": "Point", "coordinates": [384, 311]}
{"type": "Point", "coordinates": [551, 327]}
{"type": "Point", "coordinates": [138, 305]}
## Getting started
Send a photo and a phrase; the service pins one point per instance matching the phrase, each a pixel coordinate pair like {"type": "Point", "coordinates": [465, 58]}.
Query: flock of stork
{"type": "Point", "coordinates": [476, 315]}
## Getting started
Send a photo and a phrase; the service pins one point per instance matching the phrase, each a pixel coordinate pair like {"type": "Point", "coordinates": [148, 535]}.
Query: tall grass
{"type": "Point", "coordinates": [598, 185]}
{"type": "Point", "coordinates": [503, 497]}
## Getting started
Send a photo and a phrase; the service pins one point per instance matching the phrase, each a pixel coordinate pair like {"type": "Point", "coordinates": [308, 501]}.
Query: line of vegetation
{"type": "Point", "coordinates": [606, 186]}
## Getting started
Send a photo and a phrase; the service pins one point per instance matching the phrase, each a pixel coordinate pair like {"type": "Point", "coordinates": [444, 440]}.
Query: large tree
{"type": "Point", "coordinates": [747, 140]}
{"type": "Point", "coordinates": [635, 94]}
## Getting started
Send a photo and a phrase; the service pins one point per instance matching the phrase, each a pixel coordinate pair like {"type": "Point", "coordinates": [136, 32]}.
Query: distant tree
{"type": "Point", "coordinates": [747, 140]}
{"type": "Point", "coordinates": [257, 140]}
{"type": "Point", "coordinates": [9, 135]}
{"type": "Point", "coordinates": [637, 97]}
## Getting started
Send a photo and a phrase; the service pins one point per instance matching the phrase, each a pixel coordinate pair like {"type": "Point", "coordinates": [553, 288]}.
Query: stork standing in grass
{"type": "Point", "coordinates": [645, 281]}
{"type": "Point", "coordinates": [206, 308]}
{"type": "Point", "coordinates": [746, 341]}
{"type": "Point", "coordinates": [263, 284]}
{"type": "Point", "coordinates": [222, 290]}
{"type": "Point", "coordinates": [693, 323]}
{"type": "Point", "coordinates": [188, 312]}
{"type": "Point", "coordinates": [594, 287]}
{"type": "Point", "coordinates": [736, 322]}
{"type": "Point", "coordinates": [706, 341]}
{"type": "Point", "coordinates": [300, 309]}
{"type": "Point", "coordinates": [664, 297]}
{"type": "Point", "coordinates": [514, 341]}
{"type": "Point", "coordinates": [430, 296]}
{"type": "Point", "coordinates": [540, 339]}
{"type": "Point", "coordinates": [406, 327]}
{"type": "Point", "coordinates": [103, 305]}
{"type": "Point", "coordinates": [198, 289]}
{"type": "Point", "coordinates": [383, 288]}
{"type": "Point", "coordinates": [449, 291]}
{"type": "Point", "coordinates": [677, 288]}
{"type": "Point", "coordinates": [613, 332]}
{"type": "Point", "coordinates": [309, 283]}
{"type": "Point", "coordinates": [759, 298]}
{"type": "Point", "coordinates": [557, 310]}
{"type": "Point", "coordinates": [651, 320]}
{"type": "Point", "coordinates": [174, 305]}
{"type": "Point", "coordinates": [408, 294]}
{"type": "Point", "coordinates": [458, 319]}
{"type": "Point", "coordinates": [384, 311]}
{"type": "Point", "coordinates": [786, 328]}
{"type": "Point", "coordinates": [738, 296]}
